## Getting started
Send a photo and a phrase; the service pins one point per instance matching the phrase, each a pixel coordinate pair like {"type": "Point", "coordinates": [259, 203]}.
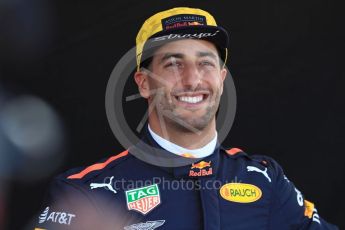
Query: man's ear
{"type": "Point", "coordinates": [141, 78]}
{"type": "Point", "coordinates": [223, 74]}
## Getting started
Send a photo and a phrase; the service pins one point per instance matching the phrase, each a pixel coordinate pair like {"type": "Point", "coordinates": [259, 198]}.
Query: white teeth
{"type": "Point", "coordinates": [190, 99]}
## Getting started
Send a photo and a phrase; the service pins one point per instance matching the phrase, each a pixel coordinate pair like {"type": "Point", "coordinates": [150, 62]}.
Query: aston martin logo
{"type": "Point", "coordinates": [148, 225]}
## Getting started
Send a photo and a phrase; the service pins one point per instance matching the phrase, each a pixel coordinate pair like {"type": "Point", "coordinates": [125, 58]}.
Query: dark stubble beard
{"type": "Point", "coordinates": [173, 119]}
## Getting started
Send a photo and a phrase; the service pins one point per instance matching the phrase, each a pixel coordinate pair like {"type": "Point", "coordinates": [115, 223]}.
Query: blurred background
{"type": "Point", "coordinates": [286, 58]}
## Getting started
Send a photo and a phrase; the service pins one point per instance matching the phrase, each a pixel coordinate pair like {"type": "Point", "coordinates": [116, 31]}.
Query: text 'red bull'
{"type": "Point", "coordinates": [202, 171]}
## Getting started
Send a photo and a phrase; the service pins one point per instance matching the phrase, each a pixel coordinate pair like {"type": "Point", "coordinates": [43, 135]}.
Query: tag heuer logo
{"type": "Point", "coordinates": [143, 199]}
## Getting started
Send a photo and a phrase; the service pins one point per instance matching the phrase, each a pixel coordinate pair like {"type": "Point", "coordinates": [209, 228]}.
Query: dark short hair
{"type": "Point", "coordinates": [146, 63]}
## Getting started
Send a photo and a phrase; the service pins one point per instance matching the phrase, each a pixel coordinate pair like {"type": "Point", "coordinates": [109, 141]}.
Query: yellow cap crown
{"type": "Point", "coordinates": [172, 18]}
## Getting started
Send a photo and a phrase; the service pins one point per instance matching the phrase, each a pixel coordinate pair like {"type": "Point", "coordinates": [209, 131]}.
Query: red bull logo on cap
{"type": "Point", "coordinates": [183, 20]}
{"type": "Point", "coordinates": [198, 169]}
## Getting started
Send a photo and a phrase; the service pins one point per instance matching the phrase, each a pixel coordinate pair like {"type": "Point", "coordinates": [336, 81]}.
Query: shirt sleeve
{"type": "Point", "coordinates": [67, 206]}
{"type": "Point", "coordinates": [290, 209]}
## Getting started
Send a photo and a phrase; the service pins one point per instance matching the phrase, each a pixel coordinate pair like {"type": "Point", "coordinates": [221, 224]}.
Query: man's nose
{"type": "Point", "coordinates": [191, 76]}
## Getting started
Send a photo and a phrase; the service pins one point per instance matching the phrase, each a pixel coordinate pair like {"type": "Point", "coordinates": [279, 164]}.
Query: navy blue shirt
{"type": "Point", "coordinates": [226, 190]}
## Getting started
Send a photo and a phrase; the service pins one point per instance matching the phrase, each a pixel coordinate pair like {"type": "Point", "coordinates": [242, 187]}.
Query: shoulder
{"type": "Point", "coordinates": [257, 160]}
{"type": "Point", "coordinates": [238, 153]}
{"type": "Point", "coordinates": [85, 174]}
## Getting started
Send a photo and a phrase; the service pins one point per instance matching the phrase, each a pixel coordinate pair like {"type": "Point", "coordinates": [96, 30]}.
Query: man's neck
{"type": "Point", "coordinates": [205, 151]}
{"type": "Point", "coordinates": [188, 140]}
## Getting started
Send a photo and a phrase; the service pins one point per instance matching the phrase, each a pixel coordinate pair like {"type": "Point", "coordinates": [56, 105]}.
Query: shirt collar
{"type": "Point", "coordinates": [149, 151]}
{"type": "Point", "coordinates": [202, 152]}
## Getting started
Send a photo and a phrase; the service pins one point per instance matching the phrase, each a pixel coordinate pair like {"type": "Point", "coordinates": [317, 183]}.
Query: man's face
{"type": "Point", "coordinates": [185, 80]}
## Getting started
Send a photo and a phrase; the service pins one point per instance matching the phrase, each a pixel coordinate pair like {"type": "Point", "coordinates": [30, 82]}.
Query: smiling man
{"type": "Point", "coordinates": [178, 176]}
{"type": "Point", "coordinates": [184, 79]}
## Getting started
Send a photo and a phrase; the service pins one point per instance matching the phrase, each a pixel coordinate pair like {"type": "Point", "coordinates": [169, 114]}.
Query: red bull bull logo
{"type": "Point", "coordinates": [201, 165]}
{"type": "Point", "coordinates": [194, 24]}
{"type": "Point", "coordinates": [198, 169]}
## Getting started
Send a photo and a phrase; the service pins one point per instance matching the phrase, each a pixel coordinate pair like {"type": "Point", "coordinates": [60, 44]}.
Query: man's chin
{"type": "Point", "coordinates": [188, 114]}
{"type": "Point", "coordinates": [191, 124]}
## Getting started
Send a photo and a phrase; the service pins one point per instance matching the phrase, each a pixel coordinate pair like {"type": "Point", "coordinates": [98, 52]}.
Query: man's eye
{"type": "Point", "coordinates": [172, 64]}
{"type": "Point", "coordinates": [206, 63]}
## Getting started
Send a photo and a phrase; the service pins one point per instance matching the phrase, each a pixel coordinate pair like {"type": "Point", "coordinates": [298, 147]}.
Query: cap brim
{"type": "Point", "coordinates": [215, 34]}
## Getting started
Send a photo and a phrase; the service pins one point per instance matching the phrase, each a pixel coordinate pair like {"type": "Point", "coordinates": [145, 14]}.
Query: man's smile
{"type": "Point", "coordinates": [191, 99]}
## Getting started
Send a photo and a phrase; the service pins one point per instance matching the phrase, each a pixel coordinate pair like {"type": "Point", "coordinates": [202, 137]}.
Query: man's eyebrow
{"type": "Point", "coordinates": [170, 55]}
{"type": "Point", "coordinates": [207, 54]}
{"type": "Point", "coordinates": [166, 56]}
